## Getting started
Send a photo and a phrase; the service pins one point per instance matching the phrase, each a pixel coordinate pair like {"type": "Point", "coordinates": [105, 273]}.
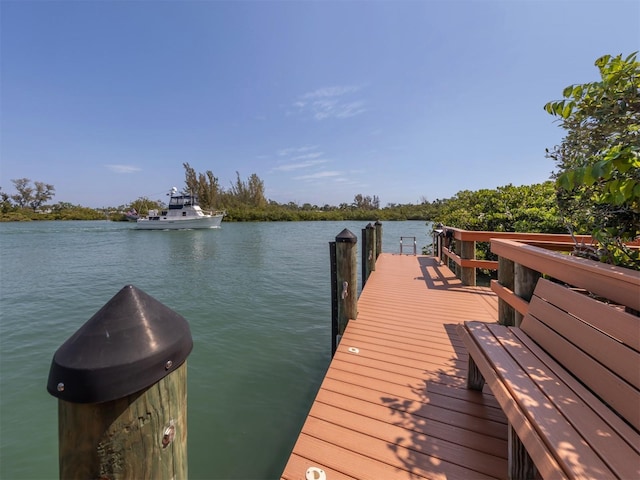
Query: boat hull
{"type": "Point", "coordinates": [161, 223]}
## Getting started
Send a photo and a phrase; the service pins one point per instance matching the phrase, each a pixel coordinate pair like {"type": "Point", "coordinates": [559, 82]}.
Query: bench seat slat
{"type": "Point", "coordinates": [572, 450]}
{"type": "Point", "coordinates": [616, 323]}
{"type": "Point", "coordinates": [568, 380]}
{"type": "Point", "coordinates": [546, 464]}
{"type": "Point", "coordinates": [612, 389]}
{"type": "Point", "coordinates": [562, 390]}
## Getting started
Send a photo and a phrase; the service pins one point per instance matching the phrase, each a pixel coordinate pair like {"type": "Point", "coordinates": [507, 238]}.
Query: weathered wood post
{"type": "Point", "coordinates": [378, 227]}
{"type": "Point", "coordinates": [344, 284]}
{"type": "Point", "coordinates": [468, 252]}
{"type": "Point", "coordinates": [121, 384]}
{"type": "Point", "coordinates": [525, 280]}
{"type": "Point", "coordinates": [506, 313]}
{"type": "Point", "coordinates": [368, 263]}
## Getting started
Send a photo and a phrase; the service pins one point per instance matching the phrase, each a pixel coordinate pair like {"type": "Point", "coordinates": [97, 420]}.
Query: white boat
{"type": "Point", "coordinates": [183, 213]}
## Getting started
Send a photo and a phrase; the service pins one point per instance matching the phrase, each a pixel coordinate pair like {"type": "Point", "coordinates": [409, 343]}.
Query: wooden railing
{"type": "Point", "coordinates": [464, 253]}
{"type": "Point", "coordinates": [525, 257]}
{"type": "Point", "coordinates": [521, 265]}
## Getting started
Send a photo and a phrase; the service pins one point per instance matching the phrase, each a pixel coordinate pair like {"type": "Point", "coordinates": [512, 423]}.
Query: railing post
{"type": "Point", "coordinates": [525, 280]}
{"type": "Point", "coordinates": [505, 278]}
{"type": "Point", "coordinates": [468, 251]}
{"type": "Point", "coordinates": [438, 235]}
{"type": "Point", "coordinates": [121, 384]}
{"type": "Point", "coordinates": [378, 226]}
{"type": "Point", "coordinates": [448, 243]}
{"type": "Point", "coordinates": [368, 262]}
{"type": "Point", "coordinates": [346, 285]}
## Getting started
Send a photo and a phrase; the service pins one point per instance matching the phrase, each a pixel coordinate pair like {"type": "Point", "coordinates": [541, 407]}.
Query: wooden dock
{"type": "Point", "coordinates": [393, 404]}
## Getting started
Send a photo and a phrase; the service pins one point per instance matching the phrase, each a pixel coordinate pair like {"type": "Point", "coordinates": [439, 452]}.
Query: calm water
{"type": "Point", "coordinates": [257, 299]}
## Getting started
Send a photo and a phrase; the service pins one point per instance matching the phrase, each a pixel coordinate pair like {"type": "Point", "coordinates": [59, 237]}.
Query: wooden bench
{"type": "Point", "coordinates": [568, 380]}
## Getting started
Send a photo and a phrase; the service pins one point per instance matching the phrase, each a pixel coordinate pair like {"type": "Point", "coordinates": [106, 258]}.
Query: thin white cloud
{"type": "Point", "coordinates": [315, 176]}
{"type": "Point", "coordinates": [123, 168]}
{"type": "Point", "coordinates": [299, 158]}
{"type": "Point", "coordinates": [331, 102]}
{"type": "Point", "coordinates": [308, 156]}
{"type": "Point", "coordinates": [284, 152]}
{"type": "Point", "coordinates": [299, 165]}
{"type": "Point", "coordinates": [330, 92]}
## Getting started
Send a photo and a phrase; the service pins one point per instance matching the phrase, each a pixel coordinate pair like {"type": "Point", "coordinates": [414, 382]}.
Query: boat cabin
{"type": "Point", "coordinates": [177, 202]}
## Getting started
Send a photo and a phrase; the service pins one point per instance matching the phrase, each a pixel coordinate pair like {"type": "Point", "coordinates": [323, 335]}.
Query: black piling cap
{"type": "Point", "coordinates": [128, 345]}
{"type": "Point", "coordinates": [345, 236]}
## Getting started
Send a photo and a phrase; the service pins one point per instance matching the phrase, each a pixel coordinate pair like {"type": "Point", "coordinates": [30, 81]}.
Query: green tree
{"type": "Point", "coordinates": [31, 196]}
{"type": "Point", "coordinates": [526, 208]}
{"type": "Point", "coordinates": [256, 192]}
{"type": "Point", "coordinates": [205, 185]}
{"type": "Point", "coordinates": [5, 202]}
{"type": "Point", "coordinates": [598, 176]}
{"type": "Point", "coordinates": [366, 202]}
{"type": "Point", "coordinates": [249, 193]}
{"type": "Point", "coordinates": [143, 204]}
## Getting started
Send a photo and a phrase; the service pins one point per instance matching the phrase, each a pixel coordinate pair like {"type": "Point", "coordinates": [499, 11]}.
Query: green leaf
{"type": "Point", "coordinates": [567, 110]}
{"type": "Point", "coordinates": [577, 91]}
{"type": "Point", "coordinates": [602, 61]}
{"type": "Point", "coordinates": [549, 108]}
{"type": "Point", "coordinates": [627, 188]}
{"type": "Point", "coordinates": [564, 182]}
{"type": "Point", "coordinates": [557, 107]}
{"type": "Point", "coordinates": [597, 169]}
{"type": "Point", "coordinates": [588, 178]}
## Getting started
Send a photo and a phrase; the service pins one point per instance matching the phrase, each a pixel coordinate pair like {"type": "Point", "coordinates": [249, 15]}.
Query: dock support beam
{"type": "Point", "coordinates": [345, 287]}
{"type": "Point", "coordinates": [121, 384]}
{"type": "Point", "coordinates": [368, 262]}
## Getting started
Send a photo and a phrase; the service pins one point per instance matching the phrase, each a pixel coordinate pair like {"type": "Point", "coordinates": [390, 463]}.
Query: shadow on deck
{"type": "Point", "coordinates": [393, 403]}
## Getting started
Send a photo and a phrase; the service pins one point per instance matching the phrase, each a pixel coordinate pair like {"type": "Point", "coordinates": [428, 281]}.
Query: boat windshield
{"type": "Point", "coordinates": [180, 201]}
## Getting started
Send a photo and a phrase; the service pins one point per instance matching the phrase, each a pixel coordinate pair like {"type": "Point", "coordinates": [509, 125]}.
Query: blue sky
{"type": "Point", "coordinates": [322, 100]}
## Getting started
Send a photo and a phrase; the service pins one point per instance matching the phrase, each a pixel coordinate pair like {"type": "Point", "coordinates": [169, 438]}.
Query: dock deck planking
{"type": "Point", "coordinates": [398, 408]}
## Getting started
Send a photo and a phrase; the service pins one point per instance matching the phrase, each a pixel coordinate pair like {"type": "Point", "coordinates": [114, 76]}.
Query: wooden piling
{"type": "Point", "coordinates": [143, 435]}
{"type": "Point", "coordinates": [378, 227]}
{"type": "Point", "coordinates": [368, 263]}
{"type": "Point", "coordinates": [121, 384]}
{"type": "Point", "coordinates": [346, 279]}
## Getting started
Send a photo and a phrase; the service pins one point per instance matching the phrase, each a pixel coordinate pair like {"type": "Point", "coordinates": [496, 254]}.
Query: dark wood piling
{"type": "Point", "coordinates": [378, 227]}
{"type": "Point", "coordinates": [121, 384]}
{"type": "Point", "coordinates": [344, 283]}
{"type": "Point", "coordinates": [368, 263]}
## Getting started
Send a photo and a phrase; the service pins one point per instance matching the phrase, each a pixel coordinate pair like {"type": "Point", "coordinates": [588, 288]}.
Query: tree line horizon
{"type": "Point", "coordinates": [594, 190]}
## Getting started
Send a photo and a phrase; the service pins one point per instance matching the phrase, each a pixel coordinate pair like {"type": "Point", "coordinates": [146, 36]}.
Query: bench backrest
{"type": "Point", "coordinates": [598, 343]}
